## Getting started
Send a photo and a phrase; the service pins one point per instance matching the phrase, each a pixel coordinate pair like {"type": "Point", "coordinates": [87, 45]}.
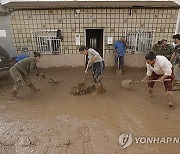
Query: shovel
{"type": "Point", "coordinates": [85, 74]}
{"type": "Point", "coordinates": [51, 80]}
{"type": "Point", "coordinates": [118, 70]}
{"type": "Point", "coordinates": [126, 83]}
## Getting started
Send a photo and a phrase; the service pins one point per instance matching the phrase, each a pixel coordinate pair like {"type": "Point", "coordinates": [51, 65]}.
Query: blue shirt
{"type": "Point", "coordinates": [21, 57]}
{"type": "Point", "coordinates": [120, 48]}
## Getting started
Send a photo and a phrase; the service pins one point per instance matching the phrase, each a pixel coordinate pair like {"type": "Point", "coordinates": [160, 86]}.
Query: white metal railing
{"type": "Point", "coordinates": [139, 41]}
{"type": "Point", "coordinates": [46, 41]}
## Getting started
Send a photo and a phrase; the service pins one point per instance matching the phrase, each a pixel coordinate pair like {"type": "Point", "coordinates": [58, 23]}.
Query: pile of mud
{"type": "Point", "coordinates": [83, 89]}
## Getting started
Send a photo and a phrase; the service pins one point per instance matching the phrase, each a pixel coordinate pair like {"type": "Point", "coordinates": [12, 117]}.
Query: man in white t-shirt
{"type": "Point", "coordinates": [97, 63]}
{"type": "Point", "coordinates": [159, 68]}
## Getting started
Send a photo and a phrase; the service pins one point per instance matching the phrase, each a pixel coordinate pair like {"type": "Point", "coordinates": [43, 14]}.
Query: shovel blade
{"type": "Point", "coordinates": [118, 72]}
{"type": "Point", "coordinates": [53, 81]}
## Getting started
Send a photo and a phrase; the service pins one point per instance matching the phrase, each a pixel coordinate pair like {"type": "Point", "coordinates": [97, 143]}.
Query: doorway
{"type": "Point", "coordinates": [94, 39]}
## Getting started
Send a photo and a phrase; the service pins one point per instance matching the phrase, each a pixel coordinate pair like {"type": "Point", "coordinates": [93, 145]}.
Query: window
{"type": "Point", "coordinates": [47, 42]}
{"type": "Point", "coordinates": [139, 41]}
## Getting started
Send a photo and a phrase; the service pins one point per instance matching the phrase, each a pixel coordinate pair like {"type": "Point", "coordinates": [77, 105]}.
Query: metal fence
{"type": "Point", "coordinates": [139, 41]}
{"type": "Point", "coordinates": [46, 42]}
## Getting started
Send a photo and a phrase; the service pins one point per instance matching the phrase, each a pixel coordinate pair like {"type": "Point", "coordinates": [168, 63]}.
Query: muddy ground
{"type": "Point", "coordinates": [54, 122]}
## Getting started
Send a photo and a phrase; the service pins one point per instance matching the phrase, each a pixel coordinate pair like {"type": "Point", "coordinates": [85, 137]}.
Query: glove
{"type": "Point", "coordinates": [86, 71]}
{"type": "Point", "coordinates": [42, 75]}
{"type": "Point", "coordinates": [161, 80]}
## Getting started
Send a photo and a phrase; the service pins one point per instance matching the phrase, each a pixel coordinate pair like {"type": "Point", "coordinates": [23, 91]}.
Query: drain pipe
{"type": "Point", "coordinates": [178, 24]}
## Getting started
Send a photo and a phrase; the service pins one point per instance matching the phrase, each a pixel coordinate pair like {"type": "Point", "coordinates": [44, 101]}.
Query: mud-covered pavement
{"type": "Point", "coordinates": [53, 121]}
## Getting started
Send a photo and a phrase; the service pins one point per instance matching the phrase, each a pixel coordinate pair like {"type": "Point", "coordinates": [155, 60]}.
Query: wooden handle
{"type": "Point", "coordinates": [151, 81]}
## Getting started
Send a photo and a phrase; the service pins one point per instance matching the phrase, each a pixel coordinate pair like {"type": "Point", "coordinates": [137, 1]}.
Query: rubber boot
{"type": "Point", "coordinates": [34, 89]}
{"type": "Point", "coordinates": [170, 100]}
{"type": "Point", "coordinates": [13, 94]}
{"type": "Point", "coordinates": [150, 90]}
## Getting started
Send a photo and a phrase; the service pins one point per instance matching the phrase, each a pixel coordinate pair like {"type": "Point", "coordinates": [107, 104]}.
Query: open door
{"type": "Point", "coordinates": [94, 39]}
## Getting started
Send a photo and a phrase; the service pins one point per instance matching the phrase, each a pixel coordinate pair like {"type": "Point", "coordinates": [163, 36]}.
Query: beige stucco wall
{"type": "Point", "coordinates": [114, 21]}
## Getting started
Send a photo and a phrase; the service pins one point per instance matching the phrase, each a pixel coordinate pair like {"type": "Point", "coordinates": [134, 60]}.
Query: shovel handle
{"type": "Point", "coordinates": [85, 73]}
{"type": "Point", "coordinates": [152, 81]}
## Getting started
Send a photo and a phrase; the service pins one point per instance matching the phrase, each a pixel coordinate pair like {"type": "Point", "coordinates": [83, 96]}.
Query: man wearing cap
{"type": "Point", "coordinates": [165, 49]}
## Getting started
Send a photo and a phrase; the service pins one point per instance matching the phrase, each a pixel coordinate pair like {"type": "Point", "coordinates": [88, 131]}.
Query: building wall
{"type": "Point", "coordinates": [114, 21]}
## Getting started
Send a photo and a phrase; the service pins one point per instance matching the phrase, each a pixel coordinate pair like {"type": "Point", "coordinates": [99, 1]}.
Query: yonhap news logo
{"type": "Point", "coordinates": [126, 139]}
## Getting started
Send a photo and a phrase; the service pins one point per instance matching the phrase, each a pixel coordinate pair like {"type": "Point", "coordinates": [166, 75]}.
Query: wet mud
{"type": "Point", "coordinates": [53, 121]}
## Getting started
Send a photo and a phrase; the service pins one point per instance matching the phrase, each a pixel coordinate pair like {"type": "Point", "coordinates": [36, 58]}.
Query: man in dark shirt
{"type": "Point", "coordinates": [175, 59]}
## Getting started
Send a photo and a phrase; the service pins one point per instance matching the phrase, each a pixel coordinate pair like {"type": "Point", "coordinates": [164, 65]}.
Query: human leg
{"type": "Point", "coordinates": [154, 76]}
{"type": "Point", "coordinates": [17, 78]}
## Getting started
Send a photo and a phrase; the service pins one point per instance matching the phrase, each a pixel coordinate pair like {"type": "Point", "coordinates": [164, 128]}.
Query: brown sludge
{"type": "Point", "coordinates": [53, 121]}
{"type": "Point", "coordinates": [83, 89]}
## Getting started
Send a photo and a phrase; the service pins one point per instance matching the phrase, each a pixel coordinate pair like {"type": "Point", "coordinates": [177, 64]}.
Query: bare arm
{"type": "Point", "coordinates": [162, 78]}
{"type": "Point", "coordinates": [92, 60]}
{"type": "Point", "coordinates": [145, 78]}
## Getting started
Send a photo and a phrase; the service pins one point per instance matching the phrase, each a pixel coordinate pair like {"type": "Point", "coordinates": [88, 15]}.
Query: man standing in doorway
{"type": "Point", "coordinates": [119, 49]}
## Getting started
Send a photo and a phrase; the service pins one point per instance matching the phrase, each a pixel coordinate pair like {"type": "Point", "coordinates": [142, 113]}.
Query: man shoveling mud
{"type": "Point", "coordinates": [97, 63]}
{"type": "Point", "coordinates": [159, 67]}
{"type": "Point", "coordinates": [20, 72]}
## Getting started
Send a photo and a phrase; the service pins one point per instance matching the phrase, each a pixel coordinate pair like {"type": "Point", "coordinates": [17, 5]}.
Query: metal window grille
{"type": "Point", "coordinates": [46, 42]}
{"type": "Point", "coordinates": [139, 41]}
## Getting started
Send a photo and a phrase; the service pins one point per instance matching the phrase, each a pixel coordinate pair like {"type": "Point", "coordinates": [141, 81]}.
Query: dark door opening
{"type": "Point", "coordinates": [94, 39]}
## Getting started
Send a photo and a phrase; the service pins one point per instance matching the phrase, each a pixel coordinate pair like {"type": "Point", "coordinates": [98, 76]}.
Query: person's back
{"type": "Point", "coordinates": [21, 57]}
{"type": "Point", "coordinates": [26, 65]}
{"type": "Point", "coordinates": [92, 53]}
